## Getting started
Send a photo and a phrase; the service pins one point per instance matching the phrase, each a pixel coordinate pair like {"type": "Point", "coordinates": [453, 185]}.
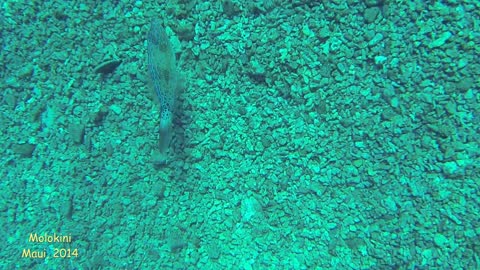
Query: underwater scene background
{"type": "Point", "coordinates": [304, 135]}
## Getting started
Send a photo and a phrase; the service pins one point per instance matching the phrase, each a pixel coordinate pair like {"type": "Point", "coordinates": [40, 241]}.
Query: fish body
{"type": "Point", "coordinates": [163, 74]}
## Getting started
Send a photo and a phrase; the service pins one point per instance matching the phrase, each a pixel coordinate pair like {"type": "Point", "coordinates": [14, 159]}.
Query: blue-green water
{"type": "Point", "coordinates": [334, 135]}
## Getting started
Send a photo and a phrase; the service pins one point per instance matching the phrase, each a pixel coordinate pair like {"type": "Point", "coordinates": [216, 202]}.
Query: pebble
{"type": "Point", "coordinates": [370, 14]}
{"type": "Point", "coordinates": [377, 38]}
{"type": "Point", "coordinates": [371, 3]}
{"type": "Point", "coordinates": [77, 132]}
{"type": "Point", "coordinates": [440, 240]}
{"type": "Point", "coordinates": [24, 149]}
{"type": "Point", "coordinates": [441, 40]}
{"type": "Point", "coordinates": [116, 109]}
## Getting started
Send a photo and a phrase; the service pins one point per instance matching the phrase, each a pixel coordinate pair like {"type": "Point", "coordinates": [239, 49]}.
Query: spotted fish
{"type": "Point", "coordinates": [163, 74]}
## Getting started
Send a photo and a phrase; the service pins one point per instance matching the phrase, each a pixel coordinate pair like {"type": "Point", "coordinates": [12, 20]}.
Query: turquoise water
{"type": "Point", "coordinates": [335, 135]}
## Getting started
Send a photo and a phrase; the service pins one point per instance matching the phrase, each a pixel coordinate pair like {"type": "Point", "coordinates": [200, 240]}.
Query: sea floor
{"type": "Point", "coordinates": [307, 135]}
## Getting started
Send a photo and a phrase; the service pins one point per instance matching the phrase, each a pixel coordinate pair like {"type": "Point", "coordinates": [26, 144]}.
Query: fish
{"type": "Point", "coordinates": [163, 74]}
